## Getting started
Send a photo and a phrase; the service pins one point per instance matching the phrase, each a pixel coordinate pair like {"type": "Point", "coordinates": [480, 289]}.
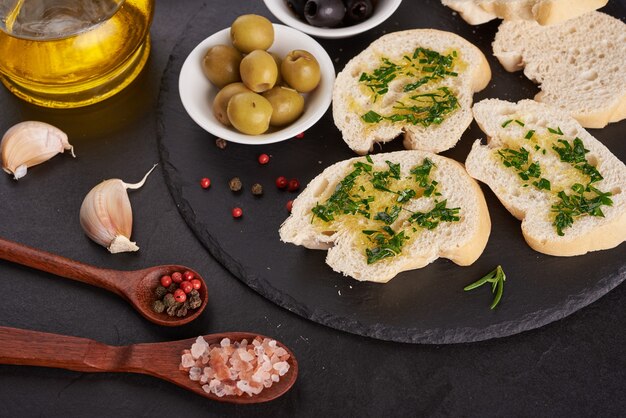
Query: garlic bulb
{"type": "Point", "coordinates": [30, 143]}
{"type": "Point", "coordinates": [106, 215]}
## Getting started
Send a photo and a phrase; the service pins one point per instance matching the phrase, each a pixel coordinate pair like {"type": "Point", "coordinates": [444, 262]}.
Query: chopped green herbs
{"type": "Point", "coordinates": [440, 213]}
{"type": "Point", "coordinates": [556, 131]}
{"type": "Point", "coordinates": [422, 173]}
{"type": "Point", "coordinates": [529, 134]}
{"type": "Point", "coordinates": [350, 200]}
{"type": "Point", "coordinates": [424, 61]}
{"type": "Point", "coordinates": [423, 66]}
{"type": "Point", "coordinates": [388, 245]}
{"type": "Point", "coordinates": [497, 279]}
{"type": "Point", "coordinates": [577, 204]}
{"type": "Point", "coordinates": [506, 123]}
{"type": "Point", "coordinates": [427, 109]}
{"type": "Point", "coordinates": [519, 161]}
{"type": "Point", "coordinates": [575, 155]}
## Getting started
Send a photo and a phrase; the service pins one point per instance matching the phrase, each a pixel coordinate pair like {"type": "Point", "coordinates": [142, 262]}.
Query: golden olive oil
{"type": "Point", "coordinates": [83, 68]}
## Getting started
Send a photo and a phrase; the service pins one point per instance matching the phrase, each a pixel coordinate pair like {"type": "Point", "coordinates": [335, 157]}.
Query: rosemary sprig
{"type": "Point", "coordinates": [497, 279]}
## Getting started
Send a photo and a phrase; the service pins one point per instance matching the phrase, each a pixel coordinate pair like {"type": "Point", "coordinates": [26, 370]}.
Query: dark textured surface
{"type": "Point", "coordinates": [573, 367]}
{"type": "Point", "coordinates": [421, 306]}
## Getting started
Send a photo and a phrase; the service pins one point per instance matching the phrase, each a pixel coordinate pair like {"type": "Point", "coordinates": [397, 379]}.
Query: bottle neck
{"type": "Point", "coordinates": [53, 19]}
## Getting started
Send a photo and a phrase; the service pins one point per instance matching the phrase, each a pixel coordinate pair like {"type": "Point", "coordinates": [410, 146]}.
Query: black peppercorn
{"type": "Point", "coordinates": [220, 143]}
{"type": "Point", "coordinates": [235, 184]}
{"type": "Point", "coordinates": [257, 189]}
{"type": "Point", "coordinates": [158, 306]}
{"type": "Point", "coordinates": [160, 291]}
{"type": "Point", "coordinates": [168, 300]}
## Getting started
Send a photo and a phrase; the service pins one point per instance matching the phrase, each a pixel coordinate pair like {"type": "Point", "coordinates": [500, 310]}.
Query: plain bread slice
{"type": "Point", "coordinates": [579, 64]}
{"type": "Point", "coordinates": [544, 12]}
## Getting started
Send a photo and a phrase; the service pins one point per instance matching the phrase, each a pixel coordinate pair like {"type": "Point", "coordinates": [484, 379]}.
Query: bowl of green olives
{"type": "Point", "coordinates": [332, 19]}
{"type": "Point", "coordinates": [256, 82]}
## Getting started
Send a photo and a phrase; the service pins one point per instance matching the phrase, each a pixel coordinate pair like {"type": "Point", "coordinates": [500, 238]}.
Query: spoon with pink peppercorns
{"type": "Point", "coordinates": [162, 360]}
{"type": "Point", "coordinates": [137, 287]}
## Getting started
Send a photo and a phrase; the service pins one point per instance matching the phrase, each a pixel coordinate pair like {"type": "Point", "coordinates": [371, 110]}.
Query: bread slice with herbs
{"type": "Point", "coordinates": [418, 82]}
{"type": "Point", "coordinates": [579, 64]}
{"type": "Point", "coordinates": [544, 12]}
{"type": "Point", "coordinates": [565, 186]}
{"type": "Point", "coordinates": [383, 214]}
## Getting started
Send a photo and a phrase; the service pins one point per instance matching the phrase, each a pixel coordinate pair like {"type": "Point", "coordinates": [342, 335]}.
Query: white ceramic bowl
{"type": "Point", "coordinates": [382, 11]}
{"type": "Point", "coordinates": [197, 92]}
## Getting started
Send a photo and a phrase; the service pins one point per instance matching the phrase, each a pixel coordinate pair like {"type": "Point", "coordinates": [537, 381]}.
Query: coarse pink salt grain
{"type": "Point", "coordinates": [234, 368]}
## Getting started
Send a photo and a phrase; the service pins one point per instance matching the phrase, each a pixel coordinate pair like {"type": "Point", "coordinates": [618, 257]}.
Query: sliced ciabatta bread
{"type": "Point", "coordinates": [384, 214]}
{"type": "Point", "coordinates": [419, 82]}
{"type": "Point", "coordinates": [565, 186]}
{"type": "Point", "coordinates": [579, 64]}
{"type": "Point", "coordinates": [544, 12]}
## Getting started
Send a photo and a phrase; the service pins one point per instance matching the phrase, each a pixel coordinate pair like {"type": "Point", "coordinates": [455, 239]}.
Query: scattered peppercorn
{"type": "Point", "coordinates": [177, 277]}
{"type": "Point", "coordinates": [281, 182]}
{"type": "Point", "coordinates": [257, 189]}
{"type": "Point", "coordinates": [235, 184]}
{"type": "Point", "coordinates": [160, 291]}
{"type": "Point", "coordinates": [237, 212]}
{"type": "Point", "coordinates": [289, 205]}
{"type": "Point", "coordinates": [293, 185]}
{"type": "Point", "coordinates": [205, 183]}
{"type": "Point", "coordinates": [220, 143]}
{"type": "Point", "coordinates": [264, 159]}
{"type": "Point", "coordinates": [158, 306]}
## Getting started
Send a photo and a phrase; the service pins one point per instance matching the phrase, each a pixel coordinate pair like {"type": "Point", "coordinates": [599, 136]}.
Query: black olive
{"type": "Point", "coordinates": [328, 13]}
{"type": "Point", "coordinates": [358, 10]}
{"type": "Point", "coordinates": [297, 6]}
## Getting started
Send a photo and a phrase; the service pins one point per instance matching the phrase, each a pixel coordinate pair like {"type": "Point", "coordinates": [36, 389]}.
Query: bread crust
{"type": "Point", "coordinates": [461, 242]}
{"type": "Point", "coordinates": [349, 102]}
{"type": "Point", "coordinates": [587, 233]}
{"type": "Point", "coordinates": [544, 12]}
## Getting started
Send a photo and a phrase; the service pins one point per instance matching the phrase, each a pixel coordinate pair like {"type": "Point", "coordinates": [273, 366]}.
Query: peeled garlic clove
{"type": "Point", "coordinates": [106, 215]}
{"type": "Point", "coordinates": [30, 143]}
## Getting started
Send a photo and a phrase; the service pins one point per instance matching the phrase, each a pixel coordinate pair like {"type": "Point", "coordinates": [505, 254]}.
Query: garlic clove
{"type": "Point", "coordinates": [30, 143]}
{"type": "Point", "coordinates": [106, 215]}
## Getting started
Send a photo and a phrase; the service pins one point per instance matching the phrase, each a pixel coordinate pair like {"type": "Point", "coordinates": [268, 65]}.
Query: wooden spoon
{"type": "Point", "coordinates": [137, 287]}
{"type": "Point", "coordinates": [33, 348]}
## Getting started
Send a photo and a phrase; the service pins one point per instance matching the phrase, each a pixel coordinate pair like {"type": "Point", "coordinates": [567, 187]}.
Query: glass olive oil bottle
{"type": "Point", "coordinates": [71, 53]}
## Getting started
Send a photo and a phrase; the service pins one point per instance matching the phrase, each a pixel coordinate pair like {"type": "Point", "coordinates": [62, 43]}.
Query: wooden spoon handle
{"type": "Point", "coordinates": [61, 266]}
{"type": "Point", "coordinates": [34, 348]}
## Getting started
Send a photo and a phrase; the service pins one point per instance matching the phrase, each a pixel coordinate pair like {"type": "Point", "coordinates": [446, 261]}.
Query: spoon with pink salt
{"type": "Point", "coordinates": [162, 360]}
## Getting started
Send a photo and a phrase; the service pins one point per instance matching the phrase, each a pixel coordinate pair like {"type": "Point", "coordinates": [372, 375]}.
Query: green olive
{"type": "Point", "coordinates": [258, 71]}
{"type": "Point", "coordinates": [288, 105]}
{"type": "Point", "coordinates": [250, 32]}
{"type": "Point", "coordinates": [220, 104]}
{"type": "Point", "coordinates": [301, 71]}
{"type": "Point", "coordinates": [249, 113]}
{"type": "Point", "coordinates": [221, 65]}
{"type": "Point", "coordinates": [278, 60]}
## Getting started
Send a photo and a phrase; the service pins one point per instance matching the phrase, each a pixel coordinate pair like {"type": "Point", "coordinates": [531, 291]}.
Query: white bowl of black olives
{"type": "Point", "coordinates": [332, 19]}
{"type": "Point", "coordinates": [256, 82]}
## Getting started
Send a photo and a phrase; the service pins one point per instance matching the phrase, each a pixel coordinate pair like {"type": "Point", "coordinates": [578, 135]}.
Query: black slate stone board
{"type": "Point", "coordinates": [419, 306]}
